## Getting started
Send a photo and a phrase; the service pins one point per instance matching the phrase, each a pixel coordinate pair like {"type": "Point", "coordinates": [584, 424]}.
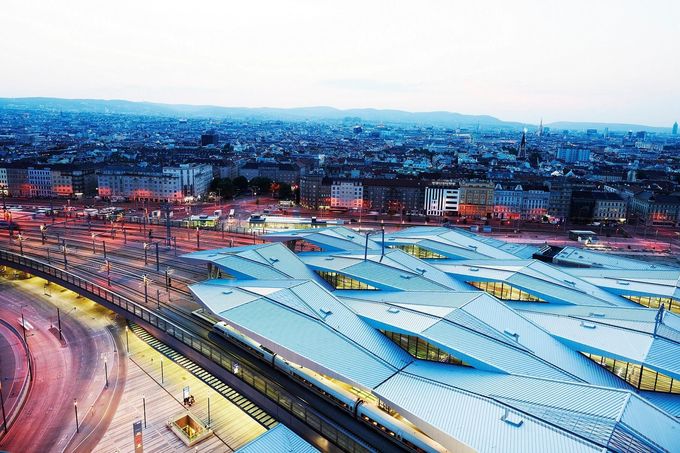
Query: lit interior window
{"type": "Point", "coordinates": [505, 291]}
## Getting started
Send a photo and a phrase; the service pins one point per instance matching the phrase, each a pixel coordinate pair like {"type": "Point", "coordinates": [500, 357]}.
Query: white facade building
{"type": "Point", "coordinates": [160, 184]}
{"type": "Point", "coordinates": [347, 194]}
{"type": "Point", "coordinates": [441, 200]}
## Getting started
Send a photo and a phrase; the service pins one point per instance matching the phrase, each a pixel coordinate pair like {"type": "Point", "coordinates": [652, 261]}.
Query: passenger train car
{"type": "Point", "coordinates": [369, 413]}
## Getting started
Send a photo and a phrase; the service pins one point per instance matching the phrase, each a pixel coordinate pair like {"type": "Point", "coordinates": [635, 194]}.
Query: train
{"type": "Point", "coordinates": [365, 411]}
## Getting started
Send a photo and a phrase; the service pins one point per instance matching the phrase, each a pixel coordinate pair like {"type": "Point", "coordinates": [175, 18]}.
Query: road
{"type": "Point", "coordinates": [13, 362]}
{"type": "Point", "coordinates": [64, 371]}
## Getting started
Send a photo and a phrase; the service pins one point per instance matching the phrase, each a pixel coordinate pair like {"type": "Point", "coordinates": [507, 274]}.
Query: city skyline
{"type": "Point", "coordinates": [608, 62]}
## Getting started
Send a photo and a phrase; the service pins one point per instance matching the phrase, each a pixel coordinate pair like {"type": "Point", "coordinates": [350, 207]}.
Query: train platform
{"type": "Point", "coordinates": [155, 392]}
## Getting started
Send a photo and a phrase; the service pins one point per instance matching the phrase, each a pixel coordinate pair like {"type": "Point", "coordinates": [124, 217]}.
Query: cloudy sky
{"type": "Point", "coordinates": [522, 60]}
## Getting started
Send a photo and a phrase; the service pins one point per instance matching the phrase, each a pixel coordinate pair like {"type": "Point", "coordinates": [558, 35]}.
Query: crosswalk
{"type": "Point", "coordinates": [223, 389]}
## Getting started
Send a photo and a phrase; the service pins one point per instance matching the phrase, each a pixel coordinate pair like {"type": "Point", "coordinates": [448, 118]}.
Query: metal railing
{"type": "Point", "coordinates": [269, 388]}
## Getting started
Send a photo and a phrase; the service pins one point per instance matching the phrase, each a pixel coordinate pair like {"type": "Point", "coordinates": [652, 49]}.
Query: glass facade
{"type": "Point", "coordinates": [504, 291]}
{"type": "Point", "coordinates": [654, 302]}
{"type": "Point", "coordinates": [342, 281]}
{"type": "Point", "coordinates": [636, 375]}
{"type": "Point", "coordinates": [418, 251]}
{"type": "Point", "coordinates": [421, 349]}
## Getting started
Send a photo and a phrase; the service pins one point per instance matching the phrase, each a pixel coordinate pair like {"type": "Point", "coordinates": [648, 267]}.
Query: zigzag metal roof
{"type": "Point", "coordinates": [525, 355]}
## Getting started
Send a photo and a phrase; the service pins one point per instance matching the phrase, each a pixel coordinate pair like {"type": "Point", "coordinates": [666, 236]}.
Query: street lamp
{"type": "Point", "coordinates": [108, 272]}
{"type": "Point", "coordinates": [59, 325]}
{"type": "Point", "coordinates": [23, 324]}
{"type": "Point", "coordinates": [168, 282]}
{"type": "Point", "coordinates": [64, 249]}
{"type": "Point", "coordinates": [21, 243]}
{"type": "Point", "coordinates": [106, 372]}
{"type": "Point", "coordinates": [146, 248]}
{"type": "Point", "coordinates": [145, 279]}
{"type": "Point", "coordinates": [93, 249]}
{"type": "Point", "coordinates": [75, 407]}
{"type": "Point", "coordinates": [144, 408]}
{"type": "Point", "coordinates": [127, 339]}
{"type": "Point", "coordinates": [198, 238]}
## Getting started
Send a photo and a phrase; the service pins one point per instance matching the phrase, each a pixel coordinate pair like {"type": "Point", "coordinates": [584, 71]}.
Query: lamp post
{"type": "Point", "coordinates": [21, 244]}
{"type": "Point", "coordinates": [75, 407]}
{"type": "Point", "coordinates": [63, 248]}
{"type": "Point", "coordinates": [127, 339]}
{"type": "Point", "coordinates": [158, 268]}
{"type": "Point", "coordinates": [108, 272]}
{"type": "Point", "coordinates": [198, 238]}
{"type": "Point", "coordinates": [59, 324]}
{"type": "Point", "coordinates": [144, 409]}
{"type": "Point", "coordinates": [106, 372]}
{"type": "Point", "coordinates": [93, 249]}
{"type": "Point", "coordinates": [145, 279]}
{"type": "Point", "coordinates": [104, 248]}
{"type": "Point", "coordinates": [162, 376]}
{"type": "Point", "coordinates": [146, 256]}
{"type": "Point", "coordinates": [23, 325]}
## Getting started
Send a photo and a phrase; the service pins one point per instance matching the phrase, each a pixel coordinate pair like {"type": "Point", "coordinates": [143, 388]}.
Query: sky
{"type": "Point", "coordinates": [520, 60]}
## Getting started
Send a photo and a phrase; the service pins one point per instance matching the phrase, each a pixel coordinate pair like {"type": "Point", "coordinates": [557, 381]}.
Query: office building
{"type": "Point", "coordinates": [573, 155]}
{"type": "Point", "coordinates": [155, 183]}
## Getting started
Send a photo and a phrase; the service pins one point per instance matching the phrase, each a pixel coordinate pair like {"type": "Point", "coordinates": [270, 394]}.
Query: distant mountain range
{"type": "Point", "coordinates": [439, 118]}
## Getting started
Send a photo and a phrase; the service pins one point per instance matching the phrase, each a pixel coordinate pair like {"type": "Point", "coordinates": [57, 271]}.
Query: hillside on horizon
{"type": "Point", "coordinates": [317, 113]}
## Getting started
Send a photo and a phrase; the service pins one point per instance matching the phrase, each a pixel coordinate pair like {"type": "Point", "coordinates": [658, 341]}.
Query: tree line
{"type": "Point", "coordinates": [260, 185]}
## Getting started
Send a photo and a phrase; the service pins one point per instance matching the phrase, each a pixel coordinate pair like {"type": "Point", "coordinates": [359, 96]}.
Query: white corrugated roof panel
{"type": "Point", "coordinates": [452, 417]}
{"type": "Point", "coordinates": [279, 439]}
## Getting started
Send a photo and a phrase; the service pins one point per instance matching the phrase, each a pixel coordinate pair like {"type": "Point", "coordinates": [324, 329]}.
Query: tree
{"type": "Point", "coordinates": [222, 186]}
{"type": "Point", "coordinates": [260, 184]}
{"type": "Point", "coordinates": [285, 191]}
{"type": "Point", "coordinates": [240, 184]}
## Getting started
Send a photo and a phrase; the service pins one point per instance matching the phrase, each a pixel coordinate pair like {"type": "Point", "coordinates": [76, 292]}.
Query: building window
{"type": "Point", "coordinates": [342, 281]}
{"type": "Point", "coordinates": [418, 252]}
{"type": "Point", "coordinates": [654, 302]}
{"type": "Point", "coordinates": [636, 375]}
{"type": "Point", "coordinates": [421, 349]}
{"type": "Point", "coordinates": [503, 291]}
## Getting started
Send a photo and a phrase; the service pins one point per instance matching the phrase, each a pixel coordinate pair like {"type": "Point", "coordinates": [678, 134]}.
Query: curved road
{"type": "Point", "coordinates": [64, 371]}
{"type": "Point", "coordinates": [13, 365]}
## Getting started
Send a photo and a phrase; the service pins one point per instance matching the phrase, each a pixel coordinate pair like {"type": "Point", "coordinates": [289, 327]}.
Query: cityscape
{"type": "Point", "coordinates": [212, 241]}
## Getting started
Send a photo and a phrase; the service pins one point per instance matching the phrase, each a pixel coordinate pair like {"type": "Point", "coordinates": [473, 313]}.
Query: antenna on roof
{"type": "Point", "coordinates": [366, 248]}
{"type": "Point", "coordinates": [382, 226]}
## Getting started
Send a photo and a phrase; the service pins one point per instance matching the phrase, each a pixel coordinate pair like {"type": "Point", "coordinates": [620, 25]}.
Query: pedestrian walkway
{"type": "Point", "coordinates": [156, 391]}
{"type": "Point", "coordinates": [232, 395]}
